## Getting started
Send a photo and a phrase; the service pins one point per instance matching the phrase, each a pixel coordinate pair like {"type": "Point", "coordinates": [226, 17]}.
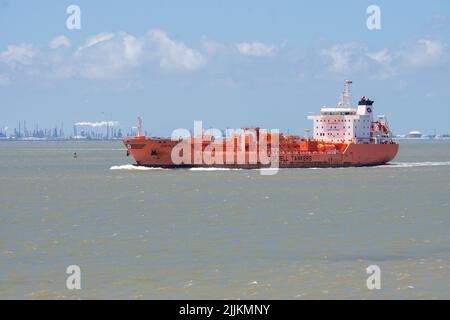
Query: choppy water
{"type": "Point", "coordinates": [140, 233]}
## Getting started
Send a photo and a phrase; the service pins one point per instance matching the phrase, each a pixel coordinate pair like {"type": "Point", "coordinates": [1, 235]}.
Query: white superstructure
{"type": "Point", "coordinates": [344, 124]}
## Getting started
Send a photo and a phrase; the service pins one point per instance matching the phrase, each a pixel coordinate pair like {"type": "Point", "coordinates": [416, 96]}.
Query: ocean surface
{"type": "Point", "coordinates": [221, 234]}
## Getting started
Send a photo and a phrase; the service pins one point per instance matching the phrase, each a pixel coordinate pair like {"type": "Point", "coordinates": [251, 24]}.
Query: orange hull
{"type": "Point", "coordinates": [343, 137]}
{"type": "Point", "coordinates": [293, 153]}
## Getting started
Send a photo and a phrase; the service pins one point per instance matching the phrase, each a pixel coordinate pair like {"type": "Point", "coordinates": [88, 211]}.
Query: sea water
{"type": "Point", "coordinates": [143, 233]}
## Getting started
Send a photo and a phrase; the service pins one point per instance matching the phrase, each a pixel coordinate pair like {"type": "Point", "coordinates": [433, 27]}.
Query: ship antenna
{"type": "Point", "coordinates": [346, 96]}
{"type": "Point", "coordinates": [139, 127]}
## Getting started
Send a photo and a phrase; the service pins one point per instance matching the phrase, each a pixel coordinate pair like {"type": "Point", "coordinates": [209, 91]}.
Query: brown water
{"type": "Point", "coordinates": [301, 234]}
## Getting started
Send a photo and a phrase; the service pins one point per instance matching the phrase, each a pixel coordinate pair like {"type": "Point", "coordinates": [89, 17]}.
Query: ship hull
{"type": "Point", "coordinates": [158, 153]}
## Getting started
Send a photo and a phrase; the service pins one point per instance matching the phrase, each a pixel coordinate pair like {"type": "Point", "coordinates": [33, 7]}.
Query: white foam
{"type": "Point", "coordinates": [213, 169]}
{"type": "Point", "coordinates": [414, 164]}
{"type": "Point", "coordinates": [135, 167]}
{"type": "Point", "coordinates": [391, 165]}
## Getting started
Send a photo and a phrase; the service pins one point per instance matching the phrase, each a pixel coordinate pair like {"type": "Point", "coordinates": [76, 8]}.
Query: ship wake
{"type": "Point", "coordinates": [414, 164]}
{"type": "Point", "coordinates": [213, 169]}
{"type": "Point", "coordinates": [392, 165]}
{"type": "Point", "coordinates": [132, 167]}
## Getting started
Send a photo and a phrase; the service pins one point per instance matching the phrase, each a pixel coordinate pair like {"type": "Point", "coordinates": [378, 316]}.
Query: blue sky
{"type": "Point", "coordinates": [227, 63]}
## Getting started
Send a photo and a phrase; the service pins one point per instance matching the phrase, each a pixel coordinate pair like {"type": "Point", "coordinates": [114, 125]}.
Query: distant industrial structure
{"type": "Point", "coordinates": [85, 130]}
{"type": "Point", "coordinates": [414, 134]}
{"type": "Point", "coordinates": [3, 135]}
{"type": "Point", "coordinates": [112, 130]}
{"type": "Point", "coordinates": [23, 132]}
{"type": "Point", "coordinates": [102, 130]}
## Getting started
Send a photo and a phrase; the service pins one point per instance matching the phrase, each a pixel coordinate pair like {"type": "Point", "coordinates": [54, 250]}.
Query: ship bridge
{"type": "Point", "coordinates": [344, 124]}
{"type": "Point", "coordinates": [337, 111]}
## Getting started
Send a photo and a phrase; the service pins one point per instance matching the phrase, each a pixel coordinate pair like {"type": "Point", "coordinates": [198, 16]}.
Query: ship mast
{"type": "Point", "coordinates": [345, 102]}
{"type": "Point", "coordinates": [139, 127]}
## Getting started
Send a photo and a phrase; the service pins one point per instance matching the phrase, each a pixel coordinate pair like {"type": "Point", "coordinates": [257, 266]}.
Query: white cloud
{"type": "Point", "coordinates": [382, 64]}
{"type": "Point", "coordinates": [133, 48]}
{"type": "Point", "coordinates": [382, 56]}
{"type": "Point", "coordinates": [98, 38]}
{"type": "Point", "coordinates": [423, 52]}
{"type": "Point", "coordinates": [351, 58]}
{"type": "Point", "coordinates": [59, 41]}
{"type": "Point", "coordinates": [175, 55]}
{"type": "Point", "coordinates": [346, 58]}
{"type": "Point", "coordinates": [256, 49]}
{"type": "Point", "coordinates": [355, 58]}
{"type": "Point", "coordinates": [18, 54]}
{"type": "Point", "coordinates": [214, 47]}
{"type": "Point", "coordinates": [109, 56]}
{"type": "Point", "coordinates": [121, 55]}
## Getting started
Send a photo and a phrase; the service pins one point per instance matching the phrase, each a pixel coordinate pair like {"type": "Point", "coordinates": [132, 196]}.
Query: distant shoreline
{"type": "Point", "coordinates": [111, 140]}
{"type": "Point", "coordinates": [56, 140]}
{"type": "Point", "coordinates": [424, 138]}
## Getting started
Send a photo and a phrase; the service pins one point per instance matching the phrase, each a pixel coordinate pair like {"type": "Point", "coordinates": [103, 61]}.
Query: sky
{"type": "Point", "coordinates": [227, 63]}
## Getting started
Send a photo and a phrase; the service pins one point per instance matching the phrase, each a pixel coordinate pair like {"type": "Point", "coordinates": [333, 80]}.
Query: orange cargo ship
{"type": "Point", "coordinates": [342, 137]}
